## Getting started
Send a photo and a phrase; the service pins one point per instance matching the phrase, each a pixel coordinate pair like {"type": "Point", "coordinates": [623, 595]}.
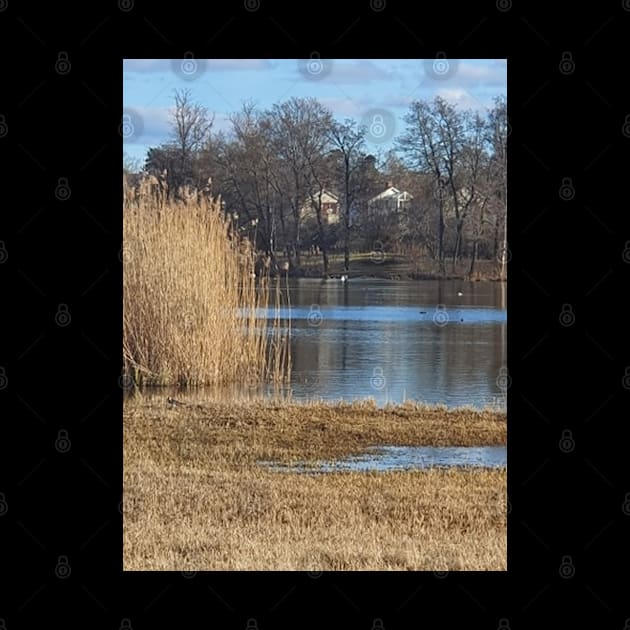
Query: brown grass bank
{"type": "Point", "coordinates": [195, 498]}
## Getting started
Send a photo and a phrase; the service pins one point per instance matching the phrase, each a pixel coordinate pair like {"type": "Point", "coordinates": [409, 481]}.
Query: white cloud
{"type": "Point", "coordinates": [361, 71]}
{"type": "Point", "coordinates": [474, 74]}
{"type": "Point", "coordinates": [351, 71]}
{"type": "Point", "coordinates": [397, 100]}
{"type": "Point", "coordinates": [461, 98]}
{"type": "Point", "coordinates": [344, 106]}
{"type": "Point", "coordinates": [155, 118]}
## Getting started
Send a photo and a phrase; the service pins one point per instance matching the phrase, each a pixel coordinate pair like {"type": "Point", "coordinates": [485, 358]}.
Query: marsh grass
{"type": "Point", "coordinates": [195, 497]}
{"type": "Point", "coordinates": [191, 301]}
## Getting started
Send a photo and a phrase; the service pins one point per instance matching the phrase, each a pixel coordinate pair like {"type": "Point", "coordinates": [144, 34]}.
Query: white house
{"type": "Point", "coordinates": [390, 200]}
{"type": "Point", "coordinates": [330, 207]}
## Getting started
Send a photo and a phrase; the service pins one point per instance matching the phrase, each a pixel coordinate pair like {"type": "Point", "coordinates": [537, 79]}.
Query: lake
{"type": "Point", "coordinates": [439, 342]}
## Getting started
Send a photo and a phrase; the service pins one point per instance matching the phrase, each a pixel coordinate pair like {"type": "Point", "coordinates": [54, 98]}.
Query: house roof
{"type": "Point", "coordinates": [391, 193]}
{"type": "Point", "coordinates": [309, 204]}
{"type": "Point", "coordinates": [327, 197]}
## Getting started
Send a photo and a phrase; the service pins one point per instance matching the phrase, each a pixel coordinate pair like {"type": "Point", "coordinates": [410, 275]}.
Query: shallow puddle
{"type": "Point", "coordinates": [385, 458]}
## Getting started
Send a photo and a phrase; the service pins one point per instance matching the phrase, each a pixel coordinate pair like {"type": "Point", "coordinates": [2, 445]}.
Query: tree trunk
{"type": "Point", "coordinates": [322, 236]}
{"type": "Point", "coordinates": [478, 234]}
{"type": "Point", "coordinates": [496, 238]}
{"type": "Point", "coordinates": [296, 236]}
{"type": "Point", "coordinates": [270, 229]}
{"type": "Point", "coordinates": [504, 249]}
{"type": "Point", "coordinates": [346, 220]}
{"type": "Point", "coordinates": [458, 243]}
{"type": "Point", "coordinates": [441, 237]}
{"type": "Point", "coordinates": [346, 251]}
{"type": "Point", "coordinates": [473, 258]}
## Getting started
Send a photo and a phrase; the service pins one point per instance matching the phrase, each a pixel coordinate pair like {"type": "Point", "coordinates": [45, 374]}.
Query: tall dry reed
{"type": "Point", "coordinates": [192, 307]}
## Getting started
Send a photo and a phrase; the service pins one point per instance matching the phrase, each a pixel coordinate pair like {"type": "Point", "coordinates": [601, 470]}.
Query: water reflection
{"type": "Point", "coordinates": [436, 342]}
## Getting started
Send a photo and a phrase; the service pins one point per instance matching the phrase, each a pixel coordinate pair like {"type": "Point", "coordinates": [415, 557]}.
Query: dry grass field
{"type": "Point", "coordinates": [196, 499]}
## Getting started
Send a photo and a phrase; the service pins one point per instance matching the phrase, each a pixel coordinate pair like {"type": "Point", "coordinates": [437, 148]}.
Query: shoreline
{"type": "Point", "coordinates": [320, 429]}
{"type": "Point", "coordinates": [398, 267]}
{"type": "Point", "coordinates": [297, 275]}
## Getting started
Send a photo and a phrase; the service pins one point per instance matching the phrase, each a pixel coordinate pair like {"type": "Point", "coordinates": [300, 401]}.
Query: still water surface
{"type": "Point", "coordinates": [435, 342]}
{"type": "Point", "coordinates": [428, 341]}
{"type": "Point", "coordinates": [386, 458]}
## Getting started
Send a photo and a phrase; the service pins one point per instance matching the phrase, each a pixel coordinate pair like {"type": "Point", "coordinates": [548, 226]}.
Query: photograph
{"type": "Point", "coordinates": [314, 364]}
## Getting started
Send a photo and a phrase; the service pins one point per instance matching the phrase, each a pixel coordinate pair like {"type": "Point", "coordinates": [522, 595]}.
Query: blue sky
{"type": "Point", "coordinates": [376, 92]}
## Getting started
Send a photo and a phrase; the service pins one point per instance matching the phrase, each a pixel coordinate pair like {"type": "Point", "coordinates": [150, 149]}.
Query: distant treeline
{"type": "Point", "coordinates": [273, 163]}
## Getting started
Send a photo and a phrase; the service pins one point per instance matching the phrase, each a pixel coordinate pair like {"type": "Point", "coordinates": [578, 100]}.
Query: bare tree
{"type": "Point", "coordinates": [452, 145]}
{"type": "Point", "coordinates": [299, 127]}
{"type": "Point", "coordinates": [190, 130]}
{"type": "Point", "coordinates": [423, 147]}
{"type": "Point", "coordinates": [450, 140]}
{"type": "Point", "coordinates": [348, 140]}
{"type": "Point", "coordinates": [251, 166]}
{"type": "Point", "coordinates": [480, 221]}
{"type": "Point", "coordinates": [274, 164]}
{"type": "Point", "coordinates": [471, 162]}
{"type": "Point", "coordinates": [247, 171]}
{"type": "Point", "coordinates": [315, 194]}
{"type": "Point", "coordinates": [497, 133]}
